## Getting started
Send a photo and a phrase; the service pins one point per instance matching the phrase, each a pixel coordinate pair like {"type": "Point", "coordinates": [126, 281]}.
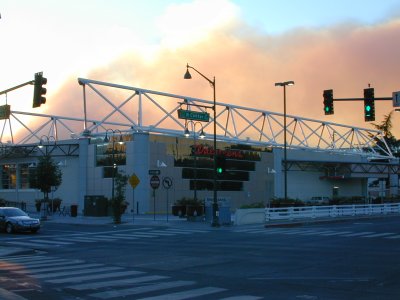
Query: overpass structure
{"type": "Point", "coordinates": [142, 110]}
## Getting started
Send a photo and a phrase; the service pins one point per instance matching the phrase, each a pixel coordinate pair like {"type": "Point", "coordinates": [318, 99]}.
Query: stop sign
{"type": "Point", "coordinates": [154, 182]}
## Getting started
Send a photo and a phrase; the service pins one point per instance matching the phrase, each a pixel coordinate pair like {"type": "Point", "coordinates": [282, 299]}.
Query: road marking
{"type": "Point", "coordinates": [244, 297]}
{"type": "Point", "coordinates": [59, 268]}
{"type": "Point", "coordinates": [73, 273]}
{"type": "Point", "coordinates": [141, 289]}
{"type": "Point", "coordinates": [118, 282]}
{"type": "Point", "coordinates": [336, 233]}
{"type": "Point", "coordinates": [187, 294]}
{"type": "Point", "coordinates": [94, 276]}
{"type": "Point", "coordinates": [31, 244]}
{"type": "Point", "coordinates": [52, 242]}
{"type": "Point", "coordinates": [358, 233]}
{"type": "Point", "coordinates": [51, 263]}
{"type": "Point", "coordinates": [378, 235]}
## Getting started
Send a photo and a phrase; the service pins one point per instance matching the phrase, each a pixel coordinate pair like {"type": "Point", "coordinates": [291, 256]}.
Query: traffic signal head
{"type": "Point", "coordinates": [328, 102]}
{"type": "Point", "coordinates": [221, 164]}
{"type": "Point", "coordinates": [39, 91]}
{"type": "Point", "coordinates": [369, 104]}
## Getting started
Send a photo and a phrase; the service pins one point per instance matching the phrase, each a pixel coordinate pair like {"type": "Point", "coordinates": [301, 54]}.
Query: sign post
{"type": "Point", "coordinates": [154, 183]}
{"type": "Point", "coordinates": [133, 181]}
{"type": "Point", "coordinates": [167, 184]}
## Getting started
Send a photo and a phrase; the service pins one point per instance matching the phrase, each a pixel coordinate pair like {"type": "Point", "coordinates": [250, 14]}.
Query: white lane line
{"type": "Point", "coordinates": [187, 294]}
{"type": "Point", "coordinates": [73, 273]}
{"type": "Point", "coordinates": [244, 297]}
{"type": "Point", "coordinates": [52, 242]}
{"type": "Point", "coordinates": [140, 289]}
{"type": "Point", "coordinates": [118, 282]}
{"type": "Point", "coordinates": [378, 235]}
{"type": "Point", "coordinates": [393, 237]}
{"type": "Point", "coordinates": [59, 268]}
{"type": "Point", "coordinates": [93, 276]}
{"type": "Point", "coordinates": [358, 233]}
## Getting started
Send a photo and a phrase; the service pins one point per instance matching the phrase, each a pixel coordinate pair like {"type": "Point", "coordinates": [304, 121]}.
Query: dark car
{"type": "Point", "coordinates": [13, 219]}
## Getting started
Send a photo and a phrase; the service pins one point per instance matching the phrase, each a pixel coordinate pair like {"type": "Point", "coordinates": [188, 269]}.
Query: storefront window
{"type": "Point", "coordinates": [24, 175]}
{"type": "Point", "coordinates": [8, 176]}
{"type": "Point", "coordinates": [195, 157]}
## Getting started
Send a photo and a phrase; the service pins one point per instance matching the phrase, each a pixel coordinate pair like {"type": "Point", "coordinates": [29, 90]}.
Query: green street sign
{"type": "Point", "coordinates": [193, 115]}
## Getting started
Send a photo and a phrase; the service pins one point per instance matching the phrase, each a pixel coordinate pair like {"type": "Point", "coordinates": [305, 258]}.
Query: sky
{"type": "Point", "coordinates": [248, 45]}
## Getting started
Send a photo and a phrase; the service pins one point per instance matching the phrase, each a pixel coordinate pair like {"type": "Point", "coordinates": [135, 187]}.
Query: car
{"type": "Point", "coordinates": [320, 200]}
{"type": "Point", "coordinates": [13, 219]}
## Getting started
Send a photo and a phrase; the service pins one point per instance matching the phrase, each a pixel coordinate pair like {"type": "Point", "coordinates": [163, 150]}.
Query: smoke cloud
{"type": "Point", "coordinates": [247, 62]}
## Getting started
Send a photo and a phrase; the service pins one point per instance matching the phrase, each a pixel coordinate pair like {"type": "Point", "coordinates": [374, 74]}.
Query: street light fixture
{"type": "Point", "coordinates": [215, 220]}
{"type": "Point", "coordinates": [284, 84]}
{"type": "Point", "coordinates": [114, 165]}
{"type": "Point", "coordinates": [202, 136]}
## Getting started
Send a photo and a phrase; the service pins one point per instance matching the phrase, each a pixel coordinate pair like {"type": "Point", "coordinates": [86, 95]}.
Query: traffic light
{"type": "Point", "coordinates": [328, 102]}
{"type": "Point", "coordinates": [221, 164]}
{"type": "Point", "coordinates": [369, 105]}
{"type": "Point", "coordinates": [39, 91]}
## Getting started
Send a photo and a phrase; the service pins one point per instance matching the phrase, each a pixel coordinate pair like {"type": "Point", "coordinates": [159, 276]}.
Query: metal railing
{"type": "Point", "coordinates": [332, 211]}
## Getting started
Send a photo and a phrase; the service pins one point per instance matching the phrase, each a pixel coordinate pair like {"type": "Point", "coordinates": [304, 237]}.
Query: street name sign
{"type": "Point", "coordinates": [193, 115]}
{"type": "Point", "coordinates": [154, 172]}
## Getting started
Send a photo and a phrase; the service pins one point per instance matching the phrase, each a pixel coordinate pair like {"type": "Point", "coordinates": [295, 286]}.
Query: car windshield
{"type": "Point", "coordinates": [14, 212]}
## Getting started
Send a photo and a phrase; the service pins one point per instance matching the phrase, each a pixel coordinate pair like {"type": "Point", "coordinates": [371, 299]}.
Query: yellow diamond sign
{"type": "Point", "coordinates": [134, 180]}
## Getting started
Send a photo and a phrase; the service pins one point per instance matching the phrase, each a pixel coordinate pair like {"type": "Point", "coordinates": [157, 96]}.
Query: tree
{"type": "Point", "coordinates": [118, 202]}
{"type": "Point", "coordinates": [386, 127]}
{"type": "Point", "coordinates": [46, 175]}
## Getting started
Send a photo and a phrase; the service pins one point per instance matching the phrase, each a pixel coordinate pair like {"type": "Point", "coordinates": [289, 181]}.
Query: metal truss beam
{"type": "Point", "coordinates": [132, 109]}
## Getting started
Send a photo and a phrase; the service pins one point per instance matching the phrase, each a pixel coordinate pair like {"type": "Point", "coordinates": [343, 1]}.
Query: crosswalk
{"type": "Point", "coordinates": [320, 232]}
{"type": "Point", "coordinates": [100, 281]}
{"type": "Point", "coordinates": [38, 242]}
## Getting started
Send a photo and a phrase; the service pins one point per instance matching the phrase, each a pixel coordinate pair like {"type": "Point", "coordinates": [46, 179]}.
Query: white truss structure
{"type": "Point", "coordinates": [142, 110]}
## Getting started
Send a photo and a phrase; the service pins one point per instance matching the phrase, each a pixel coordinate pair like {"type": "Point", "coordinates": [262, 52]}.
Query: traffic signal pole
{"type": "Point", "coordinates": [17, 87]}
{"type": "Point", "coordinates": [368, 99]}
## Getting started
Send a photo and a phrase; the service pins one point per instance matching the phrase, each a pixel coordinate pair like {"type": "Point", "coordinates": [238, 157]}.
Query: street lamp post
{"type": "Point", "coordinates": [201, 135]}
{"type": "Point", "coordinates": [215, 221]}
{"type": "Point", "coordinates": [284, 84]}
{"type": "Point", "coordinates": [114, 165]}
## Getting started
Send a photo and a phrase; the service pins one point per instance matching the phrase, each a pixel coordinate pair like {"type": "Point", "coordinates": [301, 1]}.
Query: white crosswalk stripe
{"type": "Point", "coordinates": [187, 294]}
{"type": "Point", "coordinates": [110, 236]}
{"type": "Point", "coordinates": [141, 289]}
{"type": "Point", "coordinates": [320, 232]}
{"type": "Point", "coordinates": [119, 282]}
{"type": "Point", "coordinates": [108, 282]}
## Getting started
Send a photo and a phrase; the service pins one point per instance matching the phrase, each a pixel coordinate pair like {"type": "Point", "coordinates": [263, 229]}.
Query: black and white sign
{"type": "Point", "coordinates": [155, 181]}
{"type": "Point", "coordinates": [167, 183]}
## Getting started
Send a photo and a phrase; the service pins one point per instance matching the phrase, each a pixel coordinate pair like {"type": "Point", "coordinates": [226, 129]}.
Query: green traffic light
{"type": "Point", "coordinates": [219, 170]}
{"type": "Point", "coordinates": [327, 108]}
{"type": "Point", "coordinates": [368, 108]}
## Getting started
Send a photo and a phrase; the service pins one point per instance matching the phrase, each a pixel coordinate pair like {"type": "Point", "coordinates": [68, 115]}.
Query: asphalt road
{"type": "Point", "coordinates": [348, 260]}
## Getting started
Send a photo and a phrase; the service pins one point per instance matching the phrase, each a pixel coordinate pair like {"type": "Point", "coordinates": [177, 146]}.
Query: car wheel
{"type": "Point", "coordinates": [9, 228]}
{"type": "Point", "coordinates": [34, 230]}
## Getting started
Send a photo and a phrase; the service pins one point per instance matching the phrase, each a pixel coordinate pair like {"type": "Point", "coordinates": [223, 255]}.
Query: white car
{"type": "Point", "coordinates": [320, 200]}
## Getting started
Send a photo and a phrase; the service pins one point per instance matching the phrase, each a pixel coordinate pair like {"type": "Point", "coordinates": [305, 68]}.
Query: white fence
{"type": "Point", "coordinates": [334, 211]}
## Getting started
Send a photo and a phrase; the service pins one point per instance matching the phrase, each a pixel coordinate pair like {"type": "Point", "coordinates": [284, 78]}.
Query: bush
{"type": "Point", "coordinates": [281, 202]}
{"type": "Point", "coordinates": [253, 205]}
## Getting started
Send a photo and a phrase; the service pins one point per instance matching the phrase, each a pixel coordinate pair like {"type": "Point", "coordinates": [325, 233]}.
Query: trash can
{"type": "Point", "coordinates": [223, 213]}
{"type": "Point", "coordinates": [95, 206]}
{"type": "Point", "coordinates": [74, 210]}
